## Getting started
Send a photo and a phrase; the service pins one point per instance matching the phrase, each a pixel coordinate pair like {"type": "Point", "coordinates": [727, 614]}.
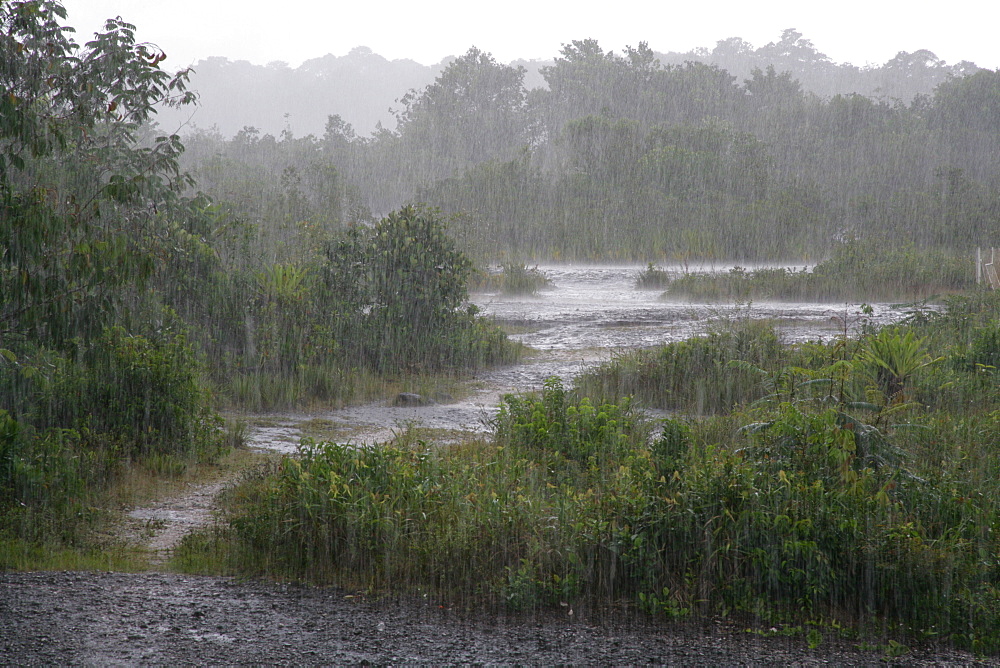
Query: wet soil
{"type": "Point", "coordinates": [161, 525]}
{"type": "Point", "coordinates": [113, 619]}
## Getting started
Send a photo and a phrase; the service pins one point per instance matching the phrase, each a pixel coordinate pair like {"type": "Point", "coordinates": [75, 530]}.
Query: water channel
{"type": "Point", "coordinates": [586, 315]}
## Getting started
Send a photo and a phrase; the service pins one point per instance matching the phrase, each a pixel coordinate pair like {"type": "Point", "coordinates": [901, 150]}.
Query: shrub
{"type": "Point", "coordinates": [570, 427]}
{"type": "Point", "coordinates": [404, 283]}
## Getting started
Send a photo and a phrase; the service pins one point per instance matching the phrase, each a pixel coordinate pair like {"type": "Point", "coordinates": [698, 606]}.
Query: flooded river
{"type": "Point", "coordinates": [586, 315]}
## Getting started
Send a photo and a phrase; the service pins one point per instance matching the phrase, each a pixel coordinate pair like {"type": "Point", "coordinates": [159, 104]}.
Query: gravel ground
{"type": "Point", "coordinates": [109, 619]}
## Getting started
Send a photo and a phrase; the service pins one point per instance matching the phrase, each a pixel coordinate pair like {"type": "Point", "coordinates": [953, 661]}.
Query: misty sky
{"type": "Point", "coordinates": [859, 32]}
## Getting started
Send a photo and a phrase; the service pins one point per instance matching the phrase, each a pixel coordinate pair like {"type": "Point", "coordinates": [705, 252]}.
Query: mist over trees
{"type": "Point", "coordinates": [644, 156]}
{"type": "Point", "coordinates": [360, 86]}
{"type": "Point", "coordinates": [364, 88]}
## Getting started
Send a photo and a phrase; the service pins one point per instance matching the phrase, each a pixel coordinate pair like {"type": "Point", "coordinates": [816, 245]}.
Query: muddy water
{"type": "Point", "coordinates": [587, 314]}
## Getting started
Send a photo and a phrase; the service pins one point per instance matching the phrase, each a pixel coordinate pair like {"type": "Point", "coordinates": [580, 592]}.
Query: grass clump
{"type": "Point", "coordinates": [855, 271]}
{"type": "Point", "coordinates": [514, 279]}
{"type": "Point", "coordinates": [652, 278]}
{"type": "Point", "coordinates": [692, 375]}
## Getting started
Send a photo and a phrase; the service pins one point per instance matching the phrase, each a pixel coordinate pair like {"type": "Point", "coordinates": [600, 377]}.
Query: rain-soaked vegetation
{"type": "Point", "coordinates": [512, 279]}
{"type": "Point", "coordinates": [849, 484]}
{"type": "Point", "coordinates": [150, 280]}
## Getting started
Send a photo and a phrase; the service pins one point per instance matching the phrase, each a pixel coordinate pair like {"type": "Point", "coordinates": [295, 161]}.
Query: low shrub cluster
{"type": "Point", "coordinates": [652, 278]}
{"type": "Point", "coordinates": [70, 423]}
{"type": "Point", "coordinates": [514, 278]}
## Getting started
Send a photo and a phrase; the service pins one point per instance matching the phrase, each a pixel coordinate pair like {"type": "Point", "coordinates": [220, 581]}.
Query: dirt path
{"type": "Point", "coordinates": [160, 526]}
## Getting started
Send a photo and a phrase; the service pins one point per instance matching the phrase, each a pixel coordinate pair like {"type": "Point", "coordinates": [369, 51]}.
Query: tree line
{"type": "Point", "coordinates": [623, 156]}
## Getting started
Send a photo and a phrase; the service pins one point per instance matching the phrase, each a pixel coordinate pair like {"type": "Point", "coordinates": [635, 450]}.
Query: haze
{"type": "Point", "coordinates": [853, 31]}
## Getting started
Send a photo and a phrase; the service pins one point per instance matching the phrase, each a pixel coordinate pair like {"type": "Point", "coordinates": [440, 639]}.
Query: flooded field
{"type": "Point", "coordinates": [586, 315]}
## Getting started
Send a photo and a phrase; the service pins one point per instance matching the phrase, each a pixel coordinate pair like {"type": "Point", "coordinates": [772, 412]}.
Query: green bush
{"type": "Point", "coordinates": [652, 278]}
{"type": "Point", "coordinates": [404, 284]}
{"type": "Point", "coordinates": [570, 427]}
{"type": "Point", "coordinates": [70, 424]}
{"type": "Point", "coordinates": [47, 482]}
{"type": "Point", "coordinates": [147, 393]}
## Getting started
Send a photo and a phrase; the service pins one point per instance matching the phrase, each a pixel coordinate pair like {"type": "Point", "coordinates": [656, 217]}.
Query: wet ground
{"type": "Point", "coordinates": [117, 619]}
{"type": "Point", "coordinates": [585, 317]}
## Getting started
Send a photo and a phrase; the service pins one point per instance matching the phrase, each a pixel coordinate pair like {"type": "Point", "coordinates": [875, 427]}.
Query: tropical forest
{"type": "Point", "coordinates": [685, 339]}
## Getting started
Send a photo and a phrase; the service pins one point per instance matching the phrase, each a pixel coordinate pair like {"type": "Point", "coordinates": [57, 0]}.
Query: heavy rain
{"type": "Point", "coordinates": [623, 356]}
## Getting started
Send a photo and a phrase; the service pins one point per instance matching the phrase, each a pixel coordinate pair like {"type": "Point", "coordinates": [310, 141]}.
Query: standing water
{"type": "Point", "coordinates": [585, 315]}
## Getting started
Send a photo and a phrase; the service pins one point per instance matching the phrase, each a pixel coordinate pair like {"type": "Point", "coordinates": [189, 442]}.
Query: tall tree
{"type": "Point", "coordinates": [474, 112]}
{"type": "Point", "coordinates": [82, 180]}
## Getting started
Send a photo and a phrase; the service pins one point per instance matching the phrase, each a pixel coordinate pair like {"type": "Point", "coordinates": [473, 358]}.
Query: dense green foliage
{"type": "Point", "coordinates": [836, 498]}
{"type": "Point", "coordinates": [632, 156]}
{"type": "Point", "coordinates": [123, 291]}
{"type": "Point", "coordinates": [94, 373]}
{"type": "Point", "coordinates": [72, 423]}
{"type": "Point", "coordinates": [404, 284]}
{"type": "Point", "coordinates": [454, 521]}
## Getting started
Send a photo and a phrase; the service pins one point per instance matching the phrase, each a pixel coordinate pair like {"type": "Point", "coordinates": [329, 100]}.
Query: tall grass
{"type": "Point", "coordinates": [514, 278]}
{"type": "Point", "coordinates": [692, 375]}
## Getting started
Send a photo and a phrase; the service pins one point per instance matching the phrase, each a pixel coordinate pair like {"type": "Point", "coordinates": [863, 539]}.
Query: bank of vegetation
{"type": "Point", "coordinates": [856, 271]}
{"type": "Point", "coordinates": [847, 487]}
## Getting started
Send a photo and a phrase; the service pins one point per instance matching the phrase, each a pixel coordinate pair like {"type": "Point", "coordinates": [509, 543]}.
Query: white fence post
{"type": "Point", "coordinates": [991, 270]}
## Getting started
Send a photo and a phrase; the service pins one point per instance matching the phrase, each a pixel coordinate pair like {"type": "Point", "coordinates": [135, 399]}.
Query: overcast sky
{"type": "Point", "coordinates": [860, 32]}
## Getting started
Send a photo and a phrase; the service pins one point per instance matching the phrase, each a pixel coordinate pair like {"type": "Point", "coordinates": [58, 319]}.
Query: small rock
{"type": "Point", "coordinates": [411, 399]}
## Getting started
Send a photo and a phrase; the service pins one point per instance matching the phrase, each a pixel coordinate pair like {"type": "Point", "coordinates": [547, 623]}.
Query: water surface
{"type": "Point", "coordinates": [588, 313]}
